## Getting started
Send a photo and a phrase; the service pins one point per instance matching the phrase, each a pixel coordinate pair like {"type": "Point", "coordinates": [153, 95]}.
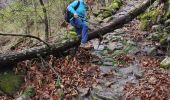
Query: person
{"type": "Point", "coordinates": [79, 20]}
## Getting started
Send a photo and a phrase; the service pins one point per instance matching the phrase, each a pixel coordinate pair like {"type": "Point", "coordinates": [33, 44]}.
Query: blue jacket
{"type": "Point", "coordinates": [80, 11]}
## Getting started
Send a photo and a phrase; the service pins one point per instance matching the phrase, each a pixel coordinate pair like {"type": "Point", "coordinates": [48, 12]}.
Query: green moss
{"type": "Point", "coordinates": [72, 34]}
{"type": "Point", "coordinates": [9, 82]}
{"type": "Point", "coordinates": [149, 18]}
{"type": "Point", "coordinates": [163, 38]}
{"type": "Point", "coordinates": [144, 24]}
{"type": "Point", "coordinates": [115, 4]}
{"type": "Point", "coordinates": [109, 10]}
{"type": "Point", "coordinates": [29, 91]}
{"type": "Point", "coordinates": [167, 14]}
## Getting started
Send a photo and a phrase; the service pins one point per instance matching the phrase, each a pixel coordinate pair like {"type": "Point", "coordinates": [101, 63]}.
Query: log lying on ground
{"type": "Point", "coordinates": [61, 47]}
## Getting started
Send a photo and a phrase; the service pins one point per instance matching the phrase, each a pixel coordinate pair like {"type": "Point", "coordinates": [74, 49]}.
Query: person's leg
{"type": "Point", "coordinates": [81, 29]}
{"type": "Point", "coordinates": [77, 25]}
{"type": "Point", "coordinates": [78, 31]}
{"type": "Point", "coordinates": [84, 33]}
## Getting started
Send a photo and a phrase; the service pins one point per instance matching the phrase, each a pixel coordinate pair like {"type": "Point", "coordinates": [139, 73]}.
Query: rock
{"type": "Point", "coordinates": [155, 36]}
{"type": "Point", "coordinates": [117, 52]}
{"type": "Point", "coordinates": [130, 42]}
{"type": "Point", "coordinates": [149, 49]}
{"type": "Point", "coordinates": [108, 84]}
{"type": "Point", "coordinates": [108, 59]}
{"type": "Point", "coordinates": [96, 60]}
{"type": "Point", "coordinates": [133, 70]}
{"type": "Point", "coordinates": [99, 47]}
{"type": "Point", "coordinates": [83, 91]}
{"type": "Point", "coordinates": [105, 52]}
{"type": "Point", "coordinates": [116, 38]}
{"type": "Point", "coordinates": [114, 46]}
{"type": "Point", "coordinates": [167, 29]}
{"type": "Point", "coordinates": [97, 88]}
{"type": "Point", "coordinates": [167, 22]}
{"type": "Point", "coordinates": [134, 50]}
{"type": "Point", "coordinates": [157, 28]}
{"type": "Point", "coordinates": [127, 70]}
{"type": "Point", "coordinates": [23, 97]}
{"type": "Point", "coordinates": [106, 95]}
{"type": "Point", "coordinates": [165, 63]}
{"type": "Point", "coordinates": [105, 70]}
{"type": "Point", "coordinates": [108, 63]}
{"type": "Point", "coordinates": [119, 32]}
{"type": "Point", "coordinates": [10, 82]}
{"type": "Point", "coordinates": [105, 41]}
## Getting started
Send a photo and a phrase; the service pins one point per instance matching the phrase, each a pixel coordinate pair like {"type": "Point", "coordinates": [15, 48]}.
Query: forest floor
{"type": "Point", "coordinates": [124, 65]}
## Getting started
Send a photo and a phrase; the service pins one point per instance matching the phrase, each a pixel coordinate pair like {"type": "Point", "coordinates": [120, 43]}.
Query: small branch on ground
{"type": "Point", "coordinates": [50, 65]}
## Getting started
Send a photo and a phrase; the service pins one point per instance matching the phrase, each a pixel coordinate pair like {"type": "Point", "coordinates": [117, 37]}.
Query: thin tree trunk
{"type": "Point", "coordinates": [45, 20]}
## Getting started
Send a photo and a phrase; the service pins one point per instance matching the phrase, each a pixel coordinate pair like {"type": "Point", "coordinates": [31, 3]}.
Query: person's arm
{"type": "Point", "coordinates": [71, 8]}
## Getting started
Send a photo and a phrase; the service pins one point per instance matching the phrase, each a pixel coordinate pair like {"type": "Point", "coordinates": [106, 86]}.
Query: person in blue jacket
{"type": "Point", "coordinates": [79, 20]}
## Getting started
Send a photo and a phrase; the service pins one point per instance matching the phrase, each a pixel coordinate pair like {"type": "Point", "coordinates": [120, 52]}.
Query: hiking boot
{"type": "Point", "coordinates": [86, 46]}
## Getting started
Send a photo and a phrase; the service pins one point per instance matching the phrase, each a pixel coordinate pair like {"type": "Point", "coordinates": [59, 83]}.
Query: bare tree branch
{"type": "Point", "coordinates": [30, 36]}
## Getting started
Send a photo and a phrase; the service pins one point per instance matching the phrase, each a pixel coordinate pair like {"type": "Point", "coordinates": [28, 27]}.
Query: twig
{"type": "Point", "coordinates": [23, 35]}
{"type": "Point", "coordinates": [58, 76]}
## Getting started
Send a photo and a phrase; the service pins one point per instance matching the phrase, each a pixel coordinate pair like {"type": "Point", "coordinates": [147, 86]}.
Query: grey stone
{"type": "Point", "coordinates": [149, 49]}
{"type": "Point", "coordinates": [128, 70]}
{"type": "Point", "coordinates": [105, 69]}
{"type": "Point", "coordinates": [167, 22]}
{"type": "Point", "coordinates": [119, 31]}
{"type": "Point", "coordinates": [157, 28]}
{"type": "Point", "coordinates": [106, 95]}
{"type": "Point", "coordinates": [108, 59]}
{"type": "Point", "coordinates": [114, 46]}
{"type": "Point", "coordinates": [130, 42]}
{"type": "Point", "coordinates": [108, 63]}
{"type": "Point", "coordinates": [133, 70]}
{"type": "Point", "coordinates": [108, 84]}
{"type": "Point", "coordinates": [165, 63]}
{"type": "Point", "coordinates": [134, 50]}
{"type": "Point", "coordinates": [99, 47]}
{"type": "Point", "coordinates": [155, 36]}
{"type": "Point", "coordinates": [105, 41]}
{"type": "Point", "coordinates": [116, 38]}
{"type": "Point", "coordinates": [23, 97]}
{"type": "Point", "coordinates": [97, 87]}
{"type": "Point", "coordinates": [167, 29]}
{"type": "Point", "coordinates": [83, 91]}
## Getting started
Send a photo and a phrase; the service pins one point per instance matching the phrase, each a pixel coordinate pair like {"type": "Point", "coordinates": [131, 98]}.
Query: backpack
{"type": "Point", "coordinates": [68, 15]}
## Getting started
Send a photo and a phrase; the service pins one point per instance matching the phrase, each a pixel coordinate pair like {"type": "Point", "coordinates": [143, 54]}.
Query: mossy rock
{"type": "Point", "coordinates": [10, 82]}
{"type": "Point", "coordinates": [165, 63]}
{"type": "Point", "coordinates": [109, 10]}
{"type": "Point", "coordinates": [149, 18]}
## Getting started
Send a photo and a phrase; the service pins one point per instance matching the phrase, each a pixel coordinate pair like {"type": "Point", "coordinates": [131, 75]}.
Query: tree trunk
{"type": "Point", "coordinates": [45, 20]}
{"type": "Point", "coordinates": [61, 47]}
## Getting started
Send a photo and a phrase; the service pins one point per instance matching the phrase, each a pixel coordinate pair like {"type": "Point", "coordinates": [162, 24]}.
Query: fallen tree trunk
{"type": "Point", "coordinates": [59, 48]}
